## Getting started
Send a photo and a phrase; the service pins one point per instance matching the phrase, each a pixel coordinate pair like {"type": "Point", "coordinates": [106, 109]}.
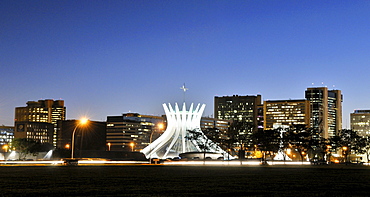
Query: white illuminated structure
{"type": "Point", "coordinates": [281, 155]}
{"type": "Point", "coordinates": [174, 141]}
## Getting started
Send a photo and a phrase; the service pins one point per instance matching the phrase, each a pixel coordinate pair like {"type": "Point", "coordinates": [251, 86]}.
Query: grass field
{"type": "Point", "coordinates": [150, 180]}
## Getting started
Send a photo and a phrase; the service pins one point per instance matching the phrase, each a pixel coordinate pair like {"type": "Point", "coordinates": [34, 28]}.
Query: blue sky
{"type": "Point", "coordinates": [109, 57]}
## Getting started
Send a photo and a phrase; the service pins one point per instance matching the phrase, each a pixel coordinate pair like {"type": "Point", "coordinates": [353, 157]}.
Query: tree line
{"type": "Point", "coordinates": [298, 141]}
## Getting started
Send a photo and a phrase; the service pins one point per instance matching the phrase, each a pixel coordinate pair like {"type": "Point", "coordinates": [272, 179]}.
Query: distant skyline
{"type": "Point", "coordinates": [110, 57]}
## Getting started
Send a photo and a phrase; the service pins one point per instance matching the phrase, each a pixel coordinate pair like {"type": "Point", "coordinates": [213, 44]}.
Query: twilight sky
{"type": "Point", "coordinates": [109, 57]}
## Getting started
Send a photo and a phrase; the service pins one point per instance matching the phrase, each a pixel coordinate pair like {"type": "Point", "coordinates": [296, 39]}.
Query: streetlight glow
{"type": "Point", "coordinates": [109, 144]}
{"type": "Point", "coordinates": [160, 126]}
{"type": "Point", "coordinates": [82, 121]}
{"type": "Point", "coordinates": [6, 147]}
{"type": "Point", "coordinates": [132, 144]}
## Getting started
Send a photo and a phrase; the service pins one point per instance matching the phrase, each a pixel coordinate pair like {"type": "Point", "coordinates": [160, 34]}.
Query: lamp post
{"type": "Point", "coordinates": [81, 122]}
{"type": "Point", "coordinates": [345, 148]}
{"type": "Point", "coordinates": [109, 144]}
{"type": "Point", "coordinates": [6, 148]}
{"type": "Point", "coordinates": [160, 127]}
{"type": "Point", "coordinates": [132, 144]}
{"type": "Point", "coordinates": [329, 147]}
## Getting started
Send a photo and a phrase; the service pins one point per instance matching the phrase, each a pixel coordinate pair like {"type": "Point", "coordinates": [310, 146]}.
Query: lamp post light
{"type": "Point", "coordinates": [109, 144]}
{"type": "Point", "coordinates": [160, 127]}
{"type": "Point", "coordinates": [345, 148]}
{"type": "Point", "coordinates": [329, 147]}
{"type": "Point", "coordinates": [81, 122]}
{"type": "Point", "coordinates": [132, 144]}
{"type": "Point", "coordinates": [303, 155]}
{"type": "Point", "coordinates": [6, 148]}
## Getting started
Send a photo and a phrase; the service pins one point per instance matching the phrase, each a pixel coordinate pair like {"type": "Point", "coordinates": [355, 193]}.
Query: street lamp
{"type": "Point", "coordinates": [109, 144]}
{"type": "Point", "coordinates": [329, 147]}
{"type": "Point", "coordinates": [81, 122]}
{"type": "Point", "coordinates": [160, 127]}
{"type": "Point", "coordinates": [345, 148]}
{"type": "Point", "coordinates": [132, 144]}
{"type": "Point", "coordinates": [5, 147]}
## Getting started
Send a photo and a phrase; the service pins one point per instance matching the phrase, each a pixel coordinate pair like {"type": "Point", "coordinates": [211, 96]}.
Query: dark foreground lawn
{"type": "Point", "coordinates": [145, 180]}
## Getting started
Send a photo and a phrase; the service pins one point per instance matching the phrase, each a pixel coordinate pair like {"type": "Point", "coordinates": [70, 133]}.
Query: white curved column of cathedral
{"type": "Point", "coordinates": [173, 142]}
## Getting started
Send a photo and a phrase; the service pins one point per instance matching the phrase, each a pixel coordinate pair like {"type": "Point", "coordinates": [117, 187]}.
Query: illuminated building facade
{"type": "Point", "coordinates": [222, 126]}
{"type": "Point", "coordinates": [39, 131]}
{"type": "Point", "coordinates": [282, 113]}
{"type": "Point", "coordinates": [38, 120]}
{"type": "Point", "coordinates": [207, 123]}
{"type": "Point", "coordinates": [326, 111]}
{"type": "Point", "coordinates": [240, 109]}
{"type": "Point", "coordinates": [360, 122]}
{"type": "Point", "coordinates": [132, 131]}
{"type": "Point", "coordinates": [6, 135]}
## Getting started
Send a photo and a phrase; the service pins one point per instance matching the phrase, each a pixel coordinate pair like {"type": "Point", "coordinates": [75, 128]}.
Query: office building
{"type": "Point", "coordinates": [212, 123]}
{"type": "Point", "coordinates": [208, 123]}
{"type": "Point", "coordinates": [38, 120]}
{"type": "Point", "coordinates": [132, 131]}
{"type": "Point", "coordinates": [286, 113]}
{"type": "Point", "coordinates": [360, 122]}
{"type": "Point", "coordinates": [39, 131]}
{"type": "Point", "coordinates": [326, 111]}
{"type": "Point", "coordinates": [240, 109]}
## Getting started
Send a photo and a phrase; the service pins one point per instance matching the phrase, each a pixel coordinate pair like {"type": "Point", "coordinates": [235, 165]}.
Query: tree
{"type": "Point", "coordinates": [367, 147]}
{"type": "Point", "coordinates": [267, 141]}
{"type": "Point", "coordinates": [354, 143]}
{"type": "Point", "coordinates": [299, 139]}
{"type": "Point", "coordinates": [201, 140]}
{"type": "Point", "coordinates": [240, 135]}
{"type": "Point", "coordinates": [221, 138]}
{"type": "Point", "coordinates": [25, 146]}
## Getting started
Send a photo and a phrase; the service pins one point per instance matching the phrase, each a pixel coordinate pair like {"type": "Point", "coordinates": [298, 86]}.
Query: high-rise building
{"type": "Point", "coordinates": [326, 111]}
{"type": "Point", "coordinates": [246, 113]}
{"type": "Point", "coordinates": [286, 113]}
{"type": "Point", "coordinates": [360, 122]}
{"type": "Point", "coordinates": [38, 120]}
{"type": "Point", "coordinates": [239, 109]}
{"type": "Point", "coordinates": [132, 131]}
